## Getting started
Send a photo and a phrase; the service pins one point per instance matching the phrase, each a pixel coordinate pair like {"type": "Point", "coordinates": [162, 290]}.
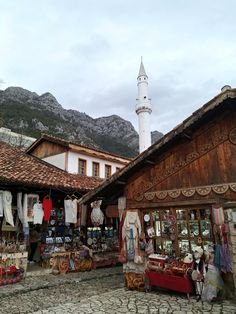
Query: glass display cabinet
{"type": "Point", "coordinates": [177, 231]}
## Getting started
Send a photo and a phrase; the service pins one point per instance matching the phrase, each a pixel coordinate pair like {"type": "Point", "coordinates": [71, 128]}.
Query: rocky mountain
{"type": "Point", "coordinates": [27, 113]}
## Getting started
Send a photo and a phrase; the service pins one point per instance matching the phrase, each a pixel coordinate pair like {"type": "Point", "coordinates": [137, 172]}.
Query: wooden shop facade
{"type": "Point", "coordinates": [183, 190]}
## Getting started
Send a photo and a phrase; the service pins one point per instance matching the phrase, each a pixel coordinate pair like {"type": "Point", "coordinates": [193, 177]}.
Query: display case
{"type": "Point", "coordinates": [177, 231]}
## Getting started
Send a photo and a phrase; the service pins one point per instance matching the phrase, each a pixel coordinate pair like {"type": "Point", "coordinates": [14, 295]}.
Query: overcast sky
{"type": "Point", "coordinates": [87, 53]}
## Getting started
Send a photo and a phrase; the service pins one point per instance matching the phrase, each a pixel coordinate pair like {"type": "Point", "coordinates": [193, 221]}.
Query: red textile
{"type": "Point", "coordinates": [47, 206]}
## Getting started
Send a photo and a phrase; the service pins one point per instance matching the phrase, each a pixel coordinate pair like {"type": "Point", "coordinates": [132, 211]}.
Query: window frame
{"type": "Point", "coordinates": [107, 173]}
{"type": "Point", "coordinates": [95, 170]}
{"type": "Point", "coordinates": [85, 166]}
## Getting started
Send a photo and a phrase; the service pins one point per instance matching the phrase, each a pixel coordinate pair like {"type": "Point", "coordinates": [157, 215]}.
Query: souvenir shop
{"type": "Point", "coordinates": [177, 207]}
{"type": "Point", "coordinates": [100, 228]}
{"type": "Point", "coordinates": [39, 220]}
{"type": "Point", "coordinates": [40, 229]}
{"type": "Point", "coordinates": [184, 249]}
{"type": "Point", "coordinates": [47, 229]}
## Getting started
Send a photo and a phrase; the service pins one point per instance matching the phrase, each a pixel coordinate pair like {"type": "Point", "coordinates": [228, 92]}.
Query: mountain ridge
{"type": "Point", "coordinates": [31, 114]}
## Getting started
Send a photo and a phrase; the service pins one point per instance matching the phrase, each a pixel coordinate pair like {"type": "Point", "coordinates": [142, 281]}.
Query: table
{"type": "Point", "coordinates": [175, 283]}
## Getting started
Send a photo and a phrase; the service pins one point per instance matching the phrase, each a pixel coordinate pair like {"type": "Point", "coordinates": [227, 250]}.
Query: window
{"type": "Point", "coordinates": [179, 230]}
{"type": "Point", "coordinates": [82, 167]}
{"type": "Point", "coordinates": [95, 169]}
{"type": "Point", "coordinates": [107, 171]}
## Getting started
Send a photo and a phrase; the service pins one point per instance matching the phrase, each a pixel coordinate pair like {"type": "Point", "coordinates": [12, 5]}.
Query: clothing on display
{"type": "Point", "coordinates": [213, 282]}
{"type": "Point", "coordinates": [7, 207]}
{"type": "Point", "coordinates": [38, 213]}
{"type": "Point", "coordinates": [47, 207]}
{"type": "Point", "coordinates": [25, 211]}
{"type": "Point", "coordinates": [131, 221]}
{"type": "Point", "coordinates": [97, 216]}
{"type": "Point", "coordinates": [70, 210]}
{"type": "Point", "coordinates": [20, 208]}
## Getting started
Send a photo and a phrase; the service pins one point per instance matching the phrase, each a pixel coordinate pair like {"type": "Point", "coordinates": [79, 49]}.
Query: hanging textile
{"type": "Point", "coordinates": [1, 203]}
{"type": "Point", "coordinates": [7, 208]}
{"type": "Point", "coordinates": [20, 207]}
{"type": "Point", "coordinates": [217, 250]}
{"type": "Point", "coordinates": [218, 215]}
{"type": "Point", "coordinates": [70, 210]}
{"type": "Point", "coordinates": [97, 215]}
{"type": "Point", "coordinates": [47, 207]}
{"type": "Point", "coordinates": [38, 213]}
{"type": "Point", "coordinates": [131, 252]}
{"type": "Point", "coordinates": [225, 261]}
{"type": "Point", "coordinates": [25, 211]}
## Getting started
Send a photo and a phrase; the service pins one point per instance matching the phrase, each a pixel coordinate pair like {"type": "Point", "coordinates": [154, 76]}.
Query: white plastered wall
{"type": "Point", "coordinates": [73, 159]}
{"type": "Point", "coordinates": [57, 160]}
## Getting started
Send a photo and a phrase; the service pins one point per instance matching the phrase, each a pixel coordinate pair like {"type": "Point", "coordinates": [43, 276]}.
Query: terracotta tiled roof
{"type": "Point", "coordinates": [19, 168]}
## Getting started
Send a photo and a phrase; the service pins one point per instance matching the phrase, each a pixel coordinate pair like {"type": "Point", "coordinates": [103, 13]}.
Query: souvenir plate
{"type": "Point", "coordinates": [89, 241]}
{"type": "Point", "coordinates": [146, 217]}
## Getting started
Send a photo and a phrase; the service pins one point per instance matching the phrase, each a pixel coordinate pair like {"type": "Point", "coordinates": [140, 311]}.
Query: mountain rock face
{"type": "Point", "coordinates": [30, 114]}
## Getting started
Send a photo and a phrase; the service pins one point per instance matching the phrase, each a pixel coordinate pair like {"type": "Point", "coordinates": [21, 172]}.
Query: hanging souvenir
{"type": "Point", "coordinates": [97, 215]}
{"type": "Point", "coordinates": [150, 232]}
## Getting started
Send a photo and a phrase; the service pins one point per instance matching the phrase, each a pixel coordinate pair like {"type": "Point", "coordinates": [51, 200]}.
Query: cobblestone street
{"type": "Point", "coordinates": [98, 291]}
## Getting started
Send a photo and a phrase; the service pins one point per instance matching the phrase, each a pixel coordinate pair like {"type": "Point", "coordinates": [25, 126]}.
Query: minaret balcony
{"type": "Point", "coordinates": [140, 109]}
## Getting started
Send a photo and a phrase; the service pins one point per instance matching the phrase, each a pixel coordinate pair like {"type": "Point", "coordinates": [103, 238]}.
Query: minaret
{"type": "Point", "coordinates": [143, 110]}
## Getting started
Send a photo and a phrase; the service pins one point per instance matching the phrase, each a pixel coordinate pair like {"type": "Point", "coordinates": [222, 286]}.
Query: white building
{"type": "Point", "coordinates": [143, 110]}
{"type": "Point", "coordinates": [75, 158]}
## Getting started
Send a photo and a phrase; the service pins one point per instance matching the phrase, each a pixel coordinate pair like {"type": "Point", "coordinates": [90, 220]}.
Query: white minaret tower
{"type": "Point", "coordinates": [143, 110]}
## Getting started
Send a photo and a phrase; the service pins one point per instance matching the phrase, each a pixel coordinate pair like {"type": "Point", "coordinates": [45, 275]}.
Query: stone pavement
{"type": "Point", "coordinates": [98, 291]}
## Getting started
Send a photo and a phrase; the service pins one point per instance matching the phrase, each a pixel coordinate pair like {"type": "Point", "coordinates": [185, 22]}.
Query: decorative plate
{"type": "Point", "coordinates": [52, 222]}
{"type": "Point", "coordinates": [94, 240]}
{"type": "Point", "coordinates": [146, 217]}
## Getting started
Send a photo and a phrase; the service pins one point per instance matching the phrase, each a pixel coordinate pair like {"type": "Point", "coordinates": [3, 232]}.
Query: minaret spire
{"type": "Point", "coordinates": [143, 109]}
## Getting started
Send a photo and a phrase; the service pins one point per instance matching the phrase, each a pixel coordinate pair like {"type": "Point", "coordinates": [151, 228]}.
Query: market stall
{"type": "Point", "coordinates": [101, 235]}
{"type": "Point", "coordinates": [38, 214]}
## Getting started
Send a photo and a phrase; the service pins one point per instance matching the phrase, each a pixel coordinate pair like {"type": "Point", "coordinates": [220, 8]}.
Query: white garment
{"type": "Point", "coordinates": [70, 211]}
{"type": "Point", "coordinates": [20, 208]}
{"type": "Point", "coordinates": [25, 211]}
{"type": "Point", "coordinates": [131, 221]}
{"type": "Point", "coordinates": [38, 213]}
{"type": "Point", "coordinates": [97, 215]}
{"type": "Point", "coordinates": [7, 199]}
{"type": "Point", "coordinates": [1, 203]}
